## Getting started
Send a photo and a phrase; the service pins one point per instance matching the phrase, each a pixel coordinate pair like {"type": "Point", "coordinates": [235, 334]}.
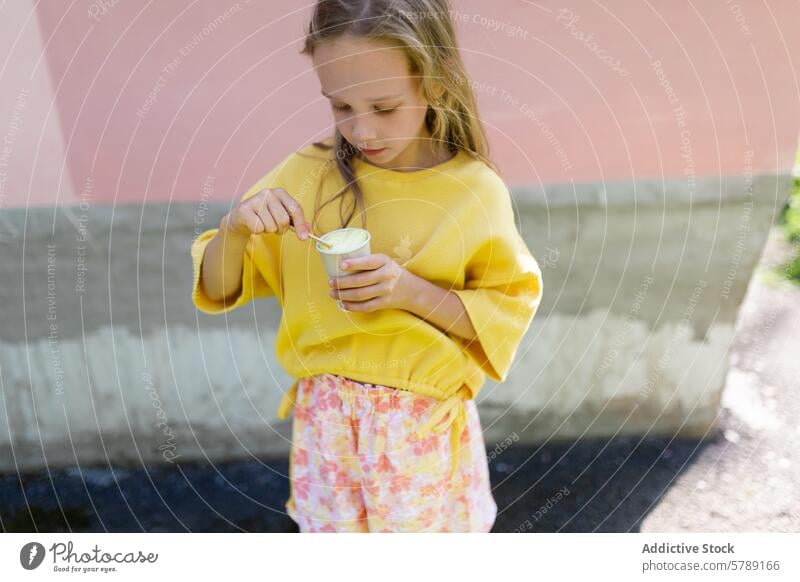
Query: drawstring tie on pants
{"type": "Point", "coordinates": [452, 410]}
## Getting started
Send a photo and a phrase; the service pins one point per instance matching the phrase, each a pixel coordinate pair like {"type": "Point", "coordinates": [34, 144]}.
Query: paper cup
{"type": "Point", "coordinates": [332, 258]}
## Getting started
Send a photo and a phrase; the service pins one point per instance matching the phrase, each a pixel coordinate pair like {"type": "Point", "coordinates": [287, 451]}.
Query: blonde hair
{"type": "Point", "coordinates": [424, 29]}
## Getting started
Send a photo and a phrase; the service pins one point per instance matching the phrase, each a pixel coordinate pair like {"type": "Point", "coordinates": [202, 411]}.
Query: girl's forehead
{"type": "Point", "coordinates": [363, 70]}
{"type": "Point", "coordinates": [379, 90]}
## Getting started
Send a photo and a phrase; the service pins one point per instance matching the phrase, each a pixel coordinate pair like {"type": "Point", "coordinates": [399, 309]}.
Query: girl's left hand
{"type": "Point", "coordinates": [380, 284]}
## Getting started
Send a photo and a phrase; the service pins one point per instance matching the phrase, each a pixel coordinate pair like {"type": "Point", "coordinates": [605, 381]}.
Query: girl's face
{"type": "Point", "coordinates": [377, 104]}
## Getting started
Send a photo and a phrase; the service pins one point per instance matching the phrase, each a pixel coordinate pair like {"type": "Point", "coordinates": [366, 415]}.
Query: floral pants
{"type": "Point", "coordinates": [356, 464]}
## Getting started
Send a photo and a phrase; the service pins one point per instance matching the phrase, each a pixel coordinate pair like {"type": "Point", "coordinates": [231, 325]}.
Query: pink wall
{"type": "Point", "coordinates": [241, 98]}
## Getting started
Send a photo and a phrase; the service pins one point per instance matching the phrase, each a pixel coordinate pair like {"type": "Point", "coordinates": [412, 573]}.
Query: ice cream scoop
{"type": "Point", "coordinates": [345, 240]}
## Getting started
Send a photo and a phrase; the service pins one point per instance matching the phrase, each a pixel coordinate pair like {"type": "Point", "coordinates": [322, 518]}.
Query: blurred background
{"type": "Point", "coordinates": [652, 154]}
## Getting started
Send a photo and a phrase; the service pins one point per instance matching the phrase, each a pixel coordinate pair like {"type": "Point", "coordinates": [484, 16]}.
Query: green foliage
{"type": "Point", "coordinates": [790, 220]}
{"type": "Point", "coordinates": [791, 211]}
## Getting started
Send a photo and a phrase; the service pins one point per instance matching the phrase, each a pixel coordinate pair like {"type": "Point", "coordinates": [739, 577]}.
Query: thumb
{"type": "Point", "coordinates": [302, 231]}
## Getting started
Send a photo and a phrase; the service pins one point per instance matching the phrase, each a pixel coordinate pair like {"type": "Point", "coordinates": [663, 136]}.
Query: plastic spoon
{"type": "Point", "coordinates": [316, 238]}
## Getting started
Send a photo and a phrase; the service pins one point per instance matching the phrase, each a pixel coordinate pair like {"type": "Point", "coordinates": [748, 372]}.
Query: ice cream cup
{"type": "Point", "coordinates": [348, 243]}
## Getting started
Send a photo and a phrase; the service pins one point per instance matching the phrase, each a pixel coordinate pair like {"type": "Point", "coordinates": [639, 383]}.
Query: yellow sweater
{"type": "Point", "coordinates": [451, 224]}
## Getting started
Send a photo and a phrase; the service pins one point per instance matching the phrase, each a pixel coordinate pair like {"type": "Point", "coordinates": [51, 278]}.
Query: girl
{"type": "Point", "coordinates": [386, 435]}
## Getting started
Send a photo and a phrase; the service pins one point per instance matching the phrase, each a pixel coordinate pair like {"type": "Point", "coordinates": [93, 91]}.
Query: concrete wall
{"type": "Point", "coordinates": [117, 364]}
{"type": "Point", "coordinates": [647, 162]}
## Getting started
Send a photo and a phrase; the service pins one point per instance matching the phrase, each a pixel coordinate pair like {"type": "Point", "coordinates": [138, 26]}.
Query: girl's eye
{"type": "Point", "coordinates": [377, 110]}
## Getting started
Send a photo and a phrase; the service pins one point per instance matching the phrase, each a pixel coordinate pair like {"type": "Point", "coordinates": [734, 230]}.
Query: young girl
{"type": "Point", "coordinates": [389, 357]}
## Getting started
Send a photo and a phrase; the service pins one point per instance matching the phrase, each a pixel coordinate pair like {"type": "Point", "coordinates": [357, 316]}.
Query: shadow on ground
{"type": "Point", "coordinates": [602, 485]}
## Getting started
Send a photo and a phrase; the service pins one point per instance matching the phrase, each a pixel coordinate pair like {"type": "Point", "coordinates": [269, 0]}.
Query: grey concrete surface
{"type": "Point", "coordinates": [112, 363]}
{"type": "Point", "coordinates": [742, 478]}
{"type": "Point", "coordinates": [748, 478]}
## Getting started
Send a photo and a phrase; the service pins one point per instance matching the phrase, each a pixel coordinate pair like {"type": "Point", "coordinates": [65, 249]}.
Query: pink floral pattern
{"type": "Point", "coordinates": [357, 465]}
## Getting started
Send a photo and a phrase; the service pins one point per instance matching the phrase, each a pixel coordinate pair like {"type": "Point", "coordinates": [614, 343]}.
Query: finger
{"type": "Point", "coordinates": [359, 294]}
{"type": "Point", "coordinates": [239, 225]}
{"type": "Point", "coordinates": [263, 216]}
{"type": "Point", "coordinates": [249, 219]}
{"type": "Point", "coordinates": [363, 263]}
{"type": "Point", "coordinates": [296, 212]}
{"type": "Point", "coordinates": [279, 214]}
{"type": "Point", "coordinates": [360, 279]}
{"type": "Point", "coordinates": [363, 306]}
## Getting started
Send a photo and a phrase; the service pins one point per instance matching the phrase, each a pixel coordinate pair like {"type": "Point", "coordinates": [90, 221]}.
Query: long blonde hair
{"type": "Point", "coordinates": [424, 29]}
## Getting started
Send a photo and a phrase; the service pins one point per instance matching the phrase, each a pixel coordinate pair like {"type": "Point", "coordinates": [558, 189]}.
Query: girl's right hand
{"type": "Point", "coordinates": [271, 210]}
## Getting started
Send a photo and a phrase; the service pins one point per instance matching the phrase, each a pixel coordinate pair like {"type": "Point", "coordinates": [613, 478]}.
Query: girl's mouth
{"type": "Point", "coordinates": [372, 152]}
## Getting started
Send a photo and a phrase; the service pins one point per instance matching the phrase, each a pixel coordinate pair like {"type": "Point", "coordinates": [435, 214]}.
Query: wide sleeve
{"type": "Point", "coordinates": [502, 285]}
{"type": "Point", "coordinates": [261, 265]}
{"type": "Point", "coordinates": [259, 273]}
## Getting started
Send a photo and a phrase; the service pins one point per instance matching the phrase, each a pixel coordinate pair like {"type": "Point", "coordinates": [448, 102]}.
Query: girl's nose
{"type": "Point", "coordinates": [363, 134]}
{"type": "Point", "coordinates": [361, 140]}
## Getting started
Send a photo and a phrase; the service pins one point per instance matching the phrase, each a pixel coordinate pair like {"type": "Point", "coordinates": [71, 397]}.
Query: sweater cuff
{"type": "Point", "coordinates": [500, 315]}
{"type": "Point", "coordinates": [253, 284]}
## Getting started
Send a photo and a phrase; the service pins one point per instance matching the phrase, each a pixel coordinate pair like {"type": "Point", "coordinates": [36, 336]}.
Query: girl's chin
{"type": "Point", "coordinates": [381, 157]}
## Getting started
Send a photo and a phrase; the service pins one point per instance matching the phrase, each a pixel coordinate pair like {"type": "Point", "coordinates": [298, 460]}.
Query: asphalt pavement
{"type": "Point", "coordinates": [744, 477]}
